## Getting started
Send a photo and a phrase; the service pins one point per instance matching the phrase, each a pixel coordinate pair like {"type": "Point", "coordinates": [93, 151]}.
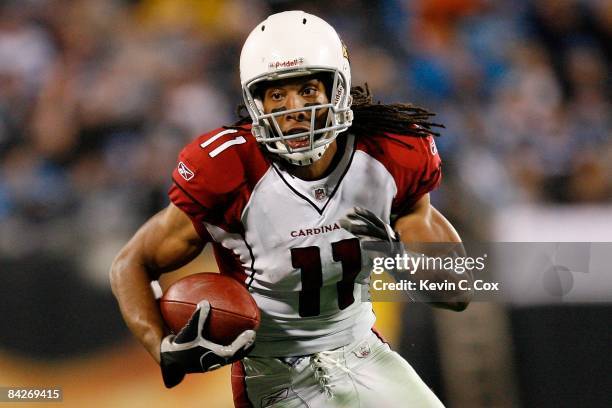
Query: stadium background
{"type": "Point", "coordinates": [97, 97]}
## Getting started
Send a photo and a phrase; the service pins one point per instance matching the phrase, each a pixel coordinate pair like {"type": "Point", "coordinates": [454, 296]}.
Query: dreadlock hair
{"type": "Point", "coordinates": [399, 118]}
{"type": "Point", "coordinates": [376, 118]}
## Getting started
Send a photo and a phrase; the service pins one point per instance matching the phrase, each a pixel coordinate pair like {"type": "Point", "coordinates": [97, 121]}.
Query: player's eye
{"type": "Point", "coordinates": [309, 91]}
{"type": "Point", "coordinates": [275, 96]}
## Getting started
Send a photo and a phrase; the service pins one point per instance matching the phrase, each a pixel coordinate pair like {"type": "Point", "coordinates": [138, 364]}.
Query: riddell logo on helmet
{"type": "Point", "coordinates": [286, 64]}
{"type": "Point", "coordinates": [339, 92]}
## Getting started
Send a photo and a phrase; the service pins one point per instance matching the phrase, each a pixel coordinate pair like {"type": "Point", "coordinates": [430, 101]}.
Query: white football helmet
{"type": "Point", "coordinates": [292, 44]}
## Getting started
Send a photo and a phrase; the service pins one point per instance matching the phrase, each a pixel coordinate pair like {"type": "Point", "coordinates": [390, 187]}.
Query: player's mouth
{"type": "Point", "coordinates": [299, 142]}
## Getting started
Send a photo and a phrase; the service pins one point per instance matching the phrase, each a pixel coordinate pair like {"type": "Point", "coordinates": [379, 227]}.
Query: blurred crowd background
{"type": "Point", "coordinates": [98, 97]}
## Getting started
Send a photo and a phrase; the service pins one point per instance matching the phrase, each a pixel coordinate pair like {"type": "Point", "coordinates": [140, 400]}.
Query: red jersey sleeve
{"type": "Point", "coordinates": [214, 177]}
{"type": "Point", "coordinates": [413, 162]}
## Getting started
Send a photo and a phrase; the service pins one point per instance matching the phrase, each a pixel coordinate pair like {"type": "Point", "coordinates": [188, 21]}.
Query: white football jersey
{"type": "Point", "coordinates": [280, 235]}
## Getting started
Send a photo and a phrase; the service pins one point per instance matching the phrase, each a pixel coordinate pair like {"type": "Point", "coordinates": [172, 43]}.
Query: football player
{"type": "Point", "coordinates": [286, 198]}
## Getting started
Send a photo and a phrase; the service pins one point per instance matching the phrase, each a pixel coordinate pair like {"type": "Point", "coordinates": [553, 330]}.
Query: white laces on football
{"type": "Point", "coordinates": [321, 364]}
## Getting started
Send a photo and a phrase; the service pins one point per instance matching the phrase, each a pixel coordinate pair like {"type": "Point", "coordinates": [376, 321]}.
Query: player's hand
{"type": "Point", "coordinates": [189, 352]}
{"type": "Point", "coordinates": [370, 229]}
{"type": "Point", "coordinates": [376, 238]}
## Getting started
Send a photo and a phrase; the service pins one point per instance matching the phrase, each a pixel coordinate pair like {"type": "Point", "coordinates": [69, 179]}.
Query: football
{"type": "Point", "coordinates": [232, 308]}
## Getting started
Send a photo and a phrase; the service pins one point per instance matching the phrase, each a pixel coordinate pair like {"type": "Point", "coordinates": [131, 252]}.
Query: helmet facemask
{"type": "Point", "coordinates": [268, 131]}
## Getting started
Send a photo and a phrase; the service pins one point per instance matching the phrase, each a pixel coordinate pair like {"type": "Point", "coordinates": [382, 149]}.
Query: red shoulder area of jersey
{"type": "Point", "coordinates": [217, 171]}
{"type": "Point", "coordinates": [413, 162]}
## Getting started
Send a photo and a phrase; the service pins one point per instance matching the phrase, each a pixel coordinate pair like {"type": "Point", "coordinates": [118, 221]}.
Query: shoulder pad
{"type": "Point", "coordinates": [217, 163]}
{"type": "Point", "coordinates": [413, 162]}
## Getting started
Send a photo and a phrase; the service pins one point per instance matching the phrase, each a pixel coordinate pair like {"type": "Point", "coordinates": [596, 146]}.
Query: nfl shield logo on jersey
{"type": "Point", "coordinates": [184, 171]}
{"type": "Point", "coordinates": [363, 350]}
{"type": "Point", "coordinates": [320, 192]}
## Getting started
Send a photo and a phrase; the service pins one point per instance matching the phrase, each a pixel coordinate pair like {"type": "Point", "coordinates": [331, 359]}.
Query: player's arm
{"type": "Point", "coordinates": [420, 225]}
{"type": "Point", "coordinates": [424, 224]}
{"type": "Point", "coordinates": [164, 243]}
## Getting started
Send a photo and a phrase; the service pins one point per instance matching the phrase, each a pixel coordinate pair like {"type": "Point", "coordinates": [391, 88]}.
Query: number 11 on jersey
{"type": "Point", "coordinates": [308, 261]}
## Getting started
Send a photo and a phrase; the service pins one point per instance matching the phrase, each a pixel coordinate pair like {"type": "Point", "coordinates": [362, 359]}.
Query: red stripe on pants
{"type": "Point", "coordinates": [241, 399]}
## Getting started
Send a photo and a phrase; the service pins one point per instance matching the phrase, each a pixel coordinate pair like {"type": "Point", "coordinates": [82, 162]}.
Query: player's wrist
{"type": "Point", "coordinates": [152, 341]}
{"type": "Point", "coordinates": [172, 369]}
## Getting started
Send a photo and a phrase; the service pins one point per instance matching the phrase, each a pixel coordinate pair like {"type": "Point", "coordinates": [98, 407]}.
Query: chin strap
{"type": "Point", "coordinates": [305, 158]}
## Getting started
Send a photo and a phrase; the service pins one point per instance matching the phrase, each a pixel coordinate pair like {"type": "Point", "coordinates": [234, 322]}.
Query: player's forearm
{"type": "Point", "coordinates": [418, 232]}
{"type": "Point", "coordinates": [438, 285]}
{"type": "Point", "coordinates": [131, 286]}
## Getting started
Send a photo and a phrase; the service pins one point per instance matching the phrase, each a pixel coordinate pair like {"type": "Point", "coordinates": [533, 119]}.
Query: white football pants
{"type": "Point", "coordinates": [365, 374]}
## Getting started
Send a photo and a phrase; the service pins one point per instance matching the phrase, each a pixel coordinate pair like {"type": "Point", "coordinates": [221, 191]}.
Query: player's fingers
{"type": "Point", "coordinates": [355, 214]}
{"type": "Point", "coordinates": [362, 231]}
{"type": "Point", "coordinates": [346, 224]}
{"type": "Point", "coordinates": [195, 325]}
{"type": "Point", "coordinates": [357, 218]}
{"type": "Point", "coordinates": [351, 219]}
{"type": "Point", "coordinates": [203, 307]}
{"type": "Point", "coordinates": [352, 227]}
{"type": "Point", "coordinates": [202, 310]}
{"type": "Point", "coordinates": [366, 217]}
{"type": "Point", "coordinates": [378, 229]}
{"type": "Point", "coordinates": [370, 217]}
{"type": "Point", "coordinates": [243, 341]}
{"type": "Point", "coordinates": [167, 341]}
{"type": "Point", "coordinates": [364, 212]}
